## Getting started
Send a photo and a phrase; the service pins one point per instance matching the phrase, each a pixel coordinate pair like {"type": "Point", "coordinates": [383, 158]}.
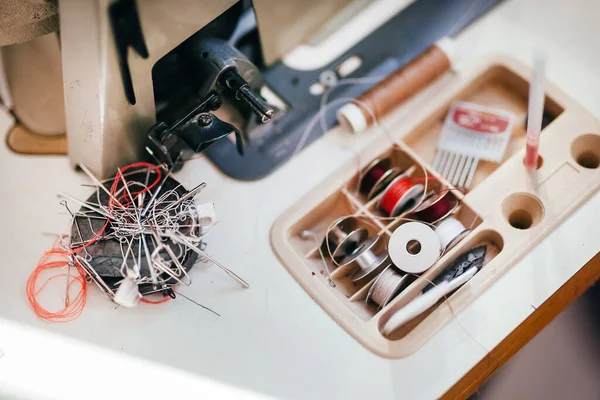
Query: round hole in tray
{"type": "Point", "coordinates": [413, 247]}
{"type": "Point", "coordinates": [586, 150]}
{"type": "Point", "coordinates": [520, 219]}
{"type": "Point", "coordinates": [540, 162]}
{"type": "Point", "coordinates": [522, 210]}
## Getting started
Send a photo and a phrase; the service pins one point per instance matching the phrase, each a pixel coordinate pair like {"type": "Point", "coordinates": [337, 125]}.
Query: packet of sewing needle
{"type": "Point", "coordinates": [477, 131]}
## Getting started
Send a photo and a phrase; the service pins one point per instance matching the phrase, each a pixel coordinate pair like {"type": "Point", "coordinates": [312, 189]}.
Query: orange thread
{"type": "Point", "coordinates": [74, 306]}
{"type": "Point", "coordinates": [148, 301]}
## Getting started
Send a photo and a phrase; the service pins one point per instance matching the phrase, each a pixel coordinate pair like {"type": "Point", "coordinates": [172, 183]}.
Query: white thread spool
{"type": "Point", "coordinates": [368, 264]}
{"type": "Point", "coordinates": [366, 259]}
{"type": "Point", "coordinates": [364, 247]}
{"type": "Point", "coordinates": [387, 286]}
{"type": "Point", "coordinates": [450, 231]}
{"type": "Point", "coordinates": [414, 247]}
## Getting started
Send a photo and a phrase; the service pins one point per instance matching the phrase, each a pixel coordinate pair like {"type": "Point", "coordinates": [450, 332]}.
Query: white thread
{"type": "Point", "coordinates": [387, 286]}
{"type": "Point", "coordinates": [448, 230]}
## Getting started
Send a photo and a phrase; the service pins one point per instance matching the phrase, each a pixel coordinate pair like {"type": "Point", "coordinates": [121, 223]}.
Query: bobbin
{"type": "Point", "coordinates": [372, 189]}
{"type": "Point", "coordinates": [369, 263]}
{"type": "Point", "coordinates": [450, 231]}
{"type": "Point", "coordinates": [420, 257]}
{"type": "Point", "coordinates": [384, 181]}
{"type": "Point", "coordinates": [408, 198]}
{"type": "Point", "coordinates": [364, 246]}
{"type": "Point", "coordinates": [342, 238]}
{"type": "Point", "coordinates": [435, 207]}
{"type": "Point", "coordinates": [387, 286]}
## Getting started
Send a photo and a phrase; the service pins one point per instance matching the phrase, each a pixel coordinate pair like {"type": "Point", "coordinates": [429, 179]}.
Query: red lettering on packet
{"type": "Point", "coordinates": [480, 121]}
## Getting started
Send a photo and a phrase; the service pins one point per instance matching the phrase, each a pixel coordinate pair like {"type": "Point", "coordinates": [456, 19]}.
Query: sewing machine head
{"type": "Point", "coordinates": [172, 78]}
{"type": "Point", "coordinates": [169, 78]}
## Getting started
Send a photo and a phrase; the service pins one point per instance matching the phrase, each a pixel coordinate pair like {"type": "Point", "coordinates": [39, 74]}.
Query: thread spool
{"type": "Point", "coordinates": [399, 86]}
{"type": "Point", "coordinates": [414, 247]}
{"type": "Point", "coordinates": [364, 246]}
{"type": "Point", "coordinates": [450, 231]}
{"type": "Point", "coordinates": [436, 207]}
{"type": "Point", "coordinates": [387, 286]}
{"type": "Point", "coordinates": [399, 196]}
{"type": "Point", "coordinates": [342, 238]}
{"type": "Point", "coordinates": [373, 173]}
{"type": "Point", "coordinates": [377, 176]}
{"type": "Point", "coordinates": [369, 264]}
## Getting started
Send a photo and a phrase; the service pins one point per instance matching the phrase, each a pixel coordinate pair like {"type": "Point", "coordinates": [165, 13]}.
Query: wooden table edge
{"type": "Point", "coordinates": [527, 330]}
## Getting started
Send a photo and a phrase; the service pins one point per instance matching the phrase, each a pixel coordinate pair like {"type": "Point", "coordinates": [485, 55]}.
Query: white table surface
{"type": "Point", "coordinates": [273, 339]}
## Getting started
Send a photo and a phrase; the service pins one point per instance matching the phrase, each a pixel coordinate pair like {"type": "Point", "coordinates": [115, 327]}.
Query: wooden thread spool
{"type": "Point", "coordinates": [398, 87]}
{"type": "Point", "coordinates": [450, 231]}
{"type": "Point", "coordinates": [387, 286]}
{"type": "Point", "coordinates": [342, 238]}
{"type": "Point", "coordinates": [399, 196]}
{"type": "Point", "coordinates": [435, 207]}
{"type": "Point", "coordinates": [377, 176]}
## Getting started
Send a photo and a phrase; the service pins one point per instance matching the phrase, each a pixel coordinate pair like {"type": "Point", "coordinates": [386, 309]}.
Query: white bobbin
{"type": "Point", "coordinates": [428, 250]}
{"type": "Point", "coordinates": [450, 231]}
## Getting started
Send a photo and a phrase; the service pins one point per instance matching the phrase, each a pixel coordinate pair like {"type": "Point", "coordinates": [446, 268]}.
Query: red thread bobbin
{"type": "Point", "coordinates": [399, 196]}
{"type": "Point", "coordinates": [436, 207]}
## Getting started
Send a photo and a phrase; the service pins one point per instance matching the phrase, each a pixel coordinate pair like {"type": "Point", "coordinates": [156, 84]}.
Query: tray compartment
{"type": "Point", "coordinates": [494, 243]}
{"type": "Point", "coordinates": [503, 199]}
{"type": "Point", "coordinates": [497, 87]}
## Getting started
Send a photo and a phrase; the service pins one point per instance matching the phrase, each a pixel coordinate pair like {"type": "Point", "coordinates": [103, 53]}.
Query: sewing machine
{"type": "Point", "coordinates": [172, 78]}
{"type": "Point", "coordinates": [270, 339]}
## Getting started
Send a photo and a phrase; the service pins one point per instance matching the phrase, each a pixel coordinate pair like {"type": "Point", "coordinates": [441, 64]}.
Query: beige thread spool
{"type": "Point", "coordinates": [387, 286]}
{"type": "Point", "coordinates": [399, 86]}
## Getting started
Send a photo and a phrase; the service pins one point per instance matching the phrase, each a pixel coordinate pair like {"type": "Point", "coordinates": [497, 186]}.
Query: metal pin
{"type": "Point", "coordinates": [64, 204]}
{"type": "Point", "coordinates": [465, 172]}
{"type": "Point", "coordinates": [99, 184]}
{"type": "Point", "coordinates": [86, 205]}
{"type": "Point", "coordinates": [180, 238]}
{"type": "Point", "coordinates": [158, 189]}
{"type": "Point", "coordinates": [149, 261]}
{"type": "Point", "coordinates": [471, 173]}
{"type": "Point", "coordinates": [198, 304]}
{"type": "Point", "coordinates": [191, 194]}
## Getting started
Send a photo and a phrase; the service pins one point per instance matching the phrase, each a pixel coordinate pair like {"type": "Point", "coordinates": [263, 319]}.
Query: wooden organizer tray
{"type": "Point", "coordinates": [508, 208]}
